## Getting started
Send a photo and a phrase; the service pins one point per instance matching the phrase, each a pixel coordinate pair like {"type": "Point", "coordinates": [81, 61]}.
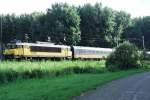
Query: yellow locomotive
{"type": "Point", "coordinates": [34, 50]}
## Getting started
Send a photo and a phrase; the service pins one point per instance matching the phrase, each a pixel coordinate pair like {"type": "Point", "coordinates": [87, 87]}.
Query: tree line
{"type": "Point", "coordinates": [87, 25]}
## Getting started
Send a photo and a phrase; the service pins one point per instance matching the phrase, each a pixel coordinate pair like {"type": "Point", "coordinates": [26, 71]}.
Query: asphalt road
{"type": "Point", "coordinates": [136, 87]}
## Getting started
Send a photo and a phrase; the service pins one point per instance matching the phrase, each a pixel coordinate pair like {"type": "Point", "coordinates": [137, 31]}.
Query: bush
{"type": "Point", "coordinates": [125, 56]}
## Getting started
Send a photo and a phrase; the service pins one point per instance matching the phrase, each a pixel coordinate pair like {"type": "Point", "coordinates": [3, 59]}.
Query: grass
{"type": "Point", "coordinates": [13, 70]}
{"type": "Point", "coordinates": [67, 81]}
{"type": "Point", "coordinates": [58, 88]}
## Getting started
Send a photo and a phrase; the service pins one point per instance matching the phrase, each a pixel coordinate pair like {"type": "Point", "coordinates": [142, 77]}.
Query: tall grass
{"type": "Point", "coordinates": [12, 70]}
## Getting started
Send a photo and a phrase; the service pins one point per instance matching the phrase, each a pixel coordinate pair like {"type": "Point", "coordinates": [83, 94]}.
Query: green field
{"type": "Point", "coordinates": [54, 80]}
{"type": "Point", "coordinates": [58, 88]}
{"type": "Point", "coordinates": [12, 70]}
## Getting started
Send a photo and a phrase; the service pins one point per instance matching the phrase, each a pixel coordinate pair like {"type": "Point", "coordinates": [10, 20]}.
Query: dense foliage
{"type": "Point", "coordinates": [87, 25]}
{"type": "Point", "coordinates": [64, 23]}
{"type": "Point", "coordinates": [126, 56]}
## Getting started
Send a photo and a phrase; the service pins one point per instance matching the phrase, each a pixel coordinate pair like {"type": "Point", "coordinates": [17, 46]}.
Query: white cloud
{"type": "Point", "coordinates": [134, 7]}
{"type": "Point", "coordinates": [23, 6]}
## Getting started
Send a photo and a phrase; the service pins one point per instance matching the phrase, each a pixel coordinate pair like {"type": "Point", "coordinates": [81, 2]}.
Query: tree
{"type": "Point", "coordinates": [139, 28]}
{"type": "Point", "coordinates": [123, 21]}
{"type": "Point", "coordinates": [39, 32]}
{"type": "Point", "coordinates": [96, 24]}
{"type": "Point", "coordinates": [8, 27]}
{"type": "Point", "coordinates": [23, 26]}
{"type": "Point", "coordinates": [64, 21]}
{"type": "Point", "coordinates": [109, 26]}
{"type": "Point", "coordinates": [146, 31]}
{"type": "Point", "coordinates": [134, 32]}
{"type": "Point", "coordinates": [87, 24]}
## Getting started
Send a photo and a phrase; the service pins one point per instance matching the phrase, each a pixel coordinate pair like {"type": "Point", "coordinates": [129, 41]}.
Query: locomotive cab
{"type": "Point", "coordinates": [13, 50]}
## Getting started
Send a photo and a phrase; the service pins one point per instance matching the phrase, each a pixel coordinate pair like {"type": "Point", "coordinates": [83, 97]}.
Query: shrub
{"type": "Point", "coordinates": [125, 56]}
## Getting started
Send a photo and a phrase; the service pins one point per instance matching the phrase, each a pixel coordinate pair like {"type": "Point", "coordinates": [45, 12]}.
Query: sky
{"type": "Point", "coordinates": [135, 7]}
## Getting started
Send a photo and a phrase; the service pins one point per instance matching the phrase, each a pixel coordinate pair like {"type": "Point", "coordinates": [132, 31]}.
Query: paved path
{"type": "Point", "coordinates": [136, 87]}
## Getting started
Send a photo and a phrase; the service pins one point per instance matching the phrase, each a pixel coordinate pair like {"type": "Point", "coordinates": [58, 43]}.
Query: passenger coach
{"type": "Point", "coordinates": [90, 52]}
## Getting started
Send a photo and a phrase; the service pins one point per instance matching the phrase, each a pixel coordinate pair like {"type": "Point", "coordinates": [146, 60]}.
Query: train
{"type": "Point", "coordinates": [147, 55]}
{"type": "Point", "coordinates": [49, 50]}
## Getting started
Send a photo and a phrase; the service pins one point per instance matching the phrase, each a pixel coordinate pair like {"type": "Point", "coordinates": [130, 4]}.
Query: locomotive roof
{"type": "Point", "coordinates": [43, 45]}
{"type": "Point", "coordinates": [148, 52]}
